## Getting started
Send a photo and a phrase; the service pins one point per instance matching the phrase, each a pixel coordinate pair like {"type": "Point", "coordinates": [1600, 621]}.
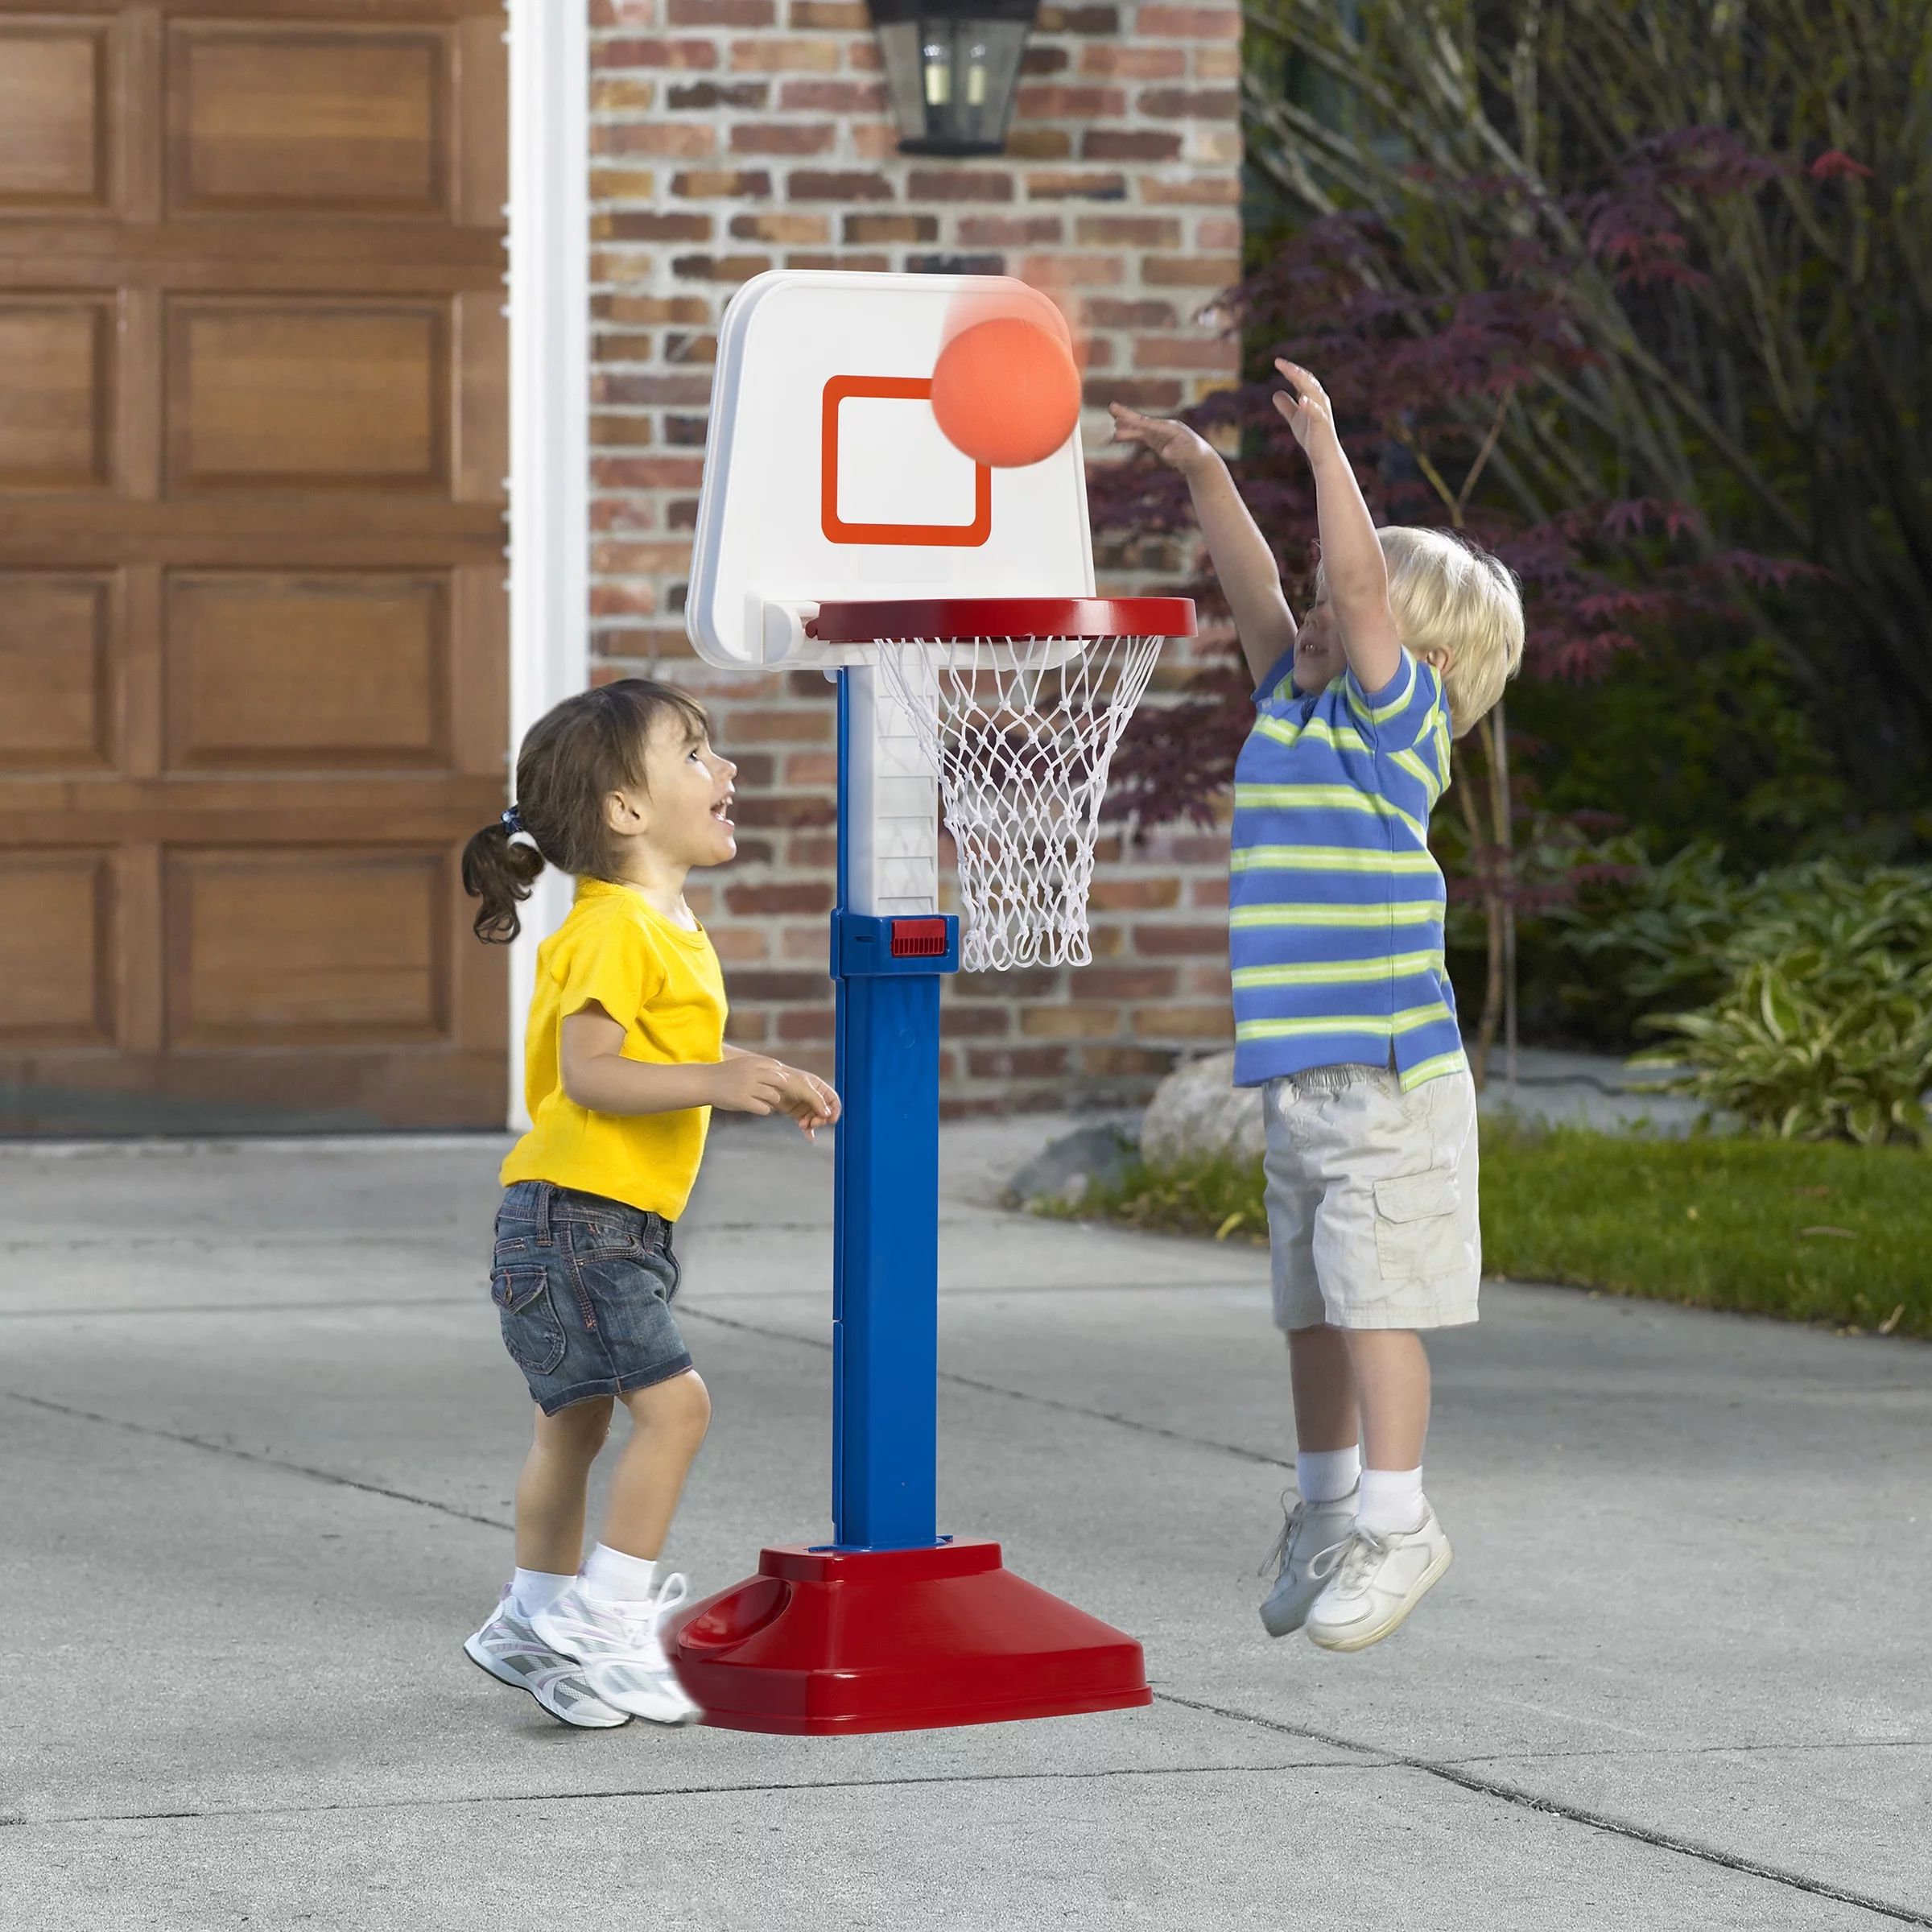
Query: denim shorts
{"type": "Point", "coordinates": [583, 1287]}
{"type": "Point", "coordinates": [1371, 1199]}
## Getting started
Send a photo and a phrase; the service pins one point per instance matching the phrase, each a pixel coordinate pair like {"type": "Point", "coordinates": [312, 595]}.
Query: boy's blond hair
{"type": "Point", "coordinates": [1445, 592]}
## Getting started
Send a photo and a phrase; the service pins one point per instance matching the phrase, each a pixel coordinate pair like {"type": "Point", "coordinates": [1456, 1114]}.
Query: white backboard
{"type": "Point", "coordinates": [826, 476]}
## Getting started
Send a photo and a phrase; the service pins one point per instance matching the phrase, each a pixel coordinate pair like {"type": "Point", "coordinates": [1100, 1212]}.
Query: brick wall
{"type": "Point", "coordinates": [733, 136]}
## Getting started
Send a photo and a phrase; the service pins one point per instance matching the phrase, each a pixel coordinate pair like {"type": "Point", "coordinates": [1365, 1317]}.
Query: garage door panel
{"type": "Point", "coordinates": [312, 118]}
{"type": "Point", "coordinates": [271, 671]}
{"type": "Point", "coordinates": [55, 392]}
{"type": "Point", "coordinates": [54, 128]}
{"type": "Point", "coordinates": [308, 394]}
{"type": "Point", "coordinates": [322, 946]}
{"type": "Point", "coordinates": [57, 948]}
{"type": "Point", "coordinates": [58, 653]}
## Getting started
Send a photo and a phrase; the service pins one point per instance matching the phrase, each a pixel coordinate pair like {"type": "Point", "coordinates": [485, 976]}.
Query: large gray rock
{"type": "Point", "coordinates": [1198, 1110]}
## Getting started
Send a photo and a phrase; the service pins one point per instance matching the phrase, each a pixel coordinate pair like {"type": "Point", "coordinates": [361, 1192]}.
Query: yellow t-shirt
{"type": "Point", "coordinates": [665, 989]}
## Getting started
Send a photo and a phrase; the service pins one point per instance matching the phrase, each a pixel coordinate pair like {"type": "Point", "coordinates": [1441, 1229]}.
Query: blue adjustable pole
{"type": "Point", "coordinates": [886, 1248]}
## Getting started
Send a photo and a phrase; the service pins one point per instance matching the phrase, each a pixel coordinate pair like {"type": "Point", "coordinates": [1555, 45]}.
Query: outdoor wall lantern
{"type": "Point", "coordinates": [951, 66]}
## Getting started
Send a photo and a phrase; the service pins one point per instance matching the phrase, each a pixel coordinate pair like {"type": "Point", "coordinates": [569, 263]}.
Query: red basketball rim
{"type": "Point", "coordinates": [910, 619]}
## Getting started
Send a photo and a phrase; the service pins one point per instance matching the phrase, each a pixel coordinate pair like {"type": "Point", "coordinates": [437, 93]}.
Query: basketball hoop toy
{"type": "Point", "coordinates": [1006, 708]}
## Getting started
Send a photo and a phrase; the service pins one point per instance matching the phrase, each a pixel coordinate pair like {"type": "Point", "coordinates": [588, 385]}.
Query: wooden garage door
{"type": "Point", "coordinates": [253, 649]}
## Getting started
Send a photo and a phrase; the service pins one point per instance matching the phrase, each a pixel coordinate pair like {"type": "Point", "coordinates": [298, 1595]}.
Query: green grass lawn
{"type": "Point", "coordinates": [1815, 1232]}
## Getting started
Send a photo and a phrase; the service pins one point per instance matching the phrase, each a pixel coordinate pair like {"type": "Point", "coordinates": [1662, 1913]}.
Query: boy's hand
{"type": "Point", "coordinates": [1307, 411]}
{"type": "Point", "coordinates": [748, 1083]}
{"type": "Point", "coordinates": [1174, 444]}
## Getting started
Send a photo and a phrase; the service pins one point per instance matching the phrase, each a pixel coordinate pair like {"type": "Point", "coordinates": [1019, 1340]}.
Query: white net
{"type": "Point", "coordinates": [1021, 736]}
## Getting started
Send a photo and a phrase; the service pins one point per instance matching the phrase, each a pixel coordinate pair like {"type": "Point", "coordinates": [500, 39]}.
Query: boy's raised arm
{"type": "Point", "coordinates": [1352, 565]}
{"type": "Point", "coordinates": [1240, 553]}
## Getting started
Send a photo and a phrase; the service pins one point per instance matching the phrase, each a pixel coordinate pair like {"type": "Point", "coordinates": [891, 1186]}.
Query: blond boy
{"type": "Point", "coordinates": [1343, 1012]}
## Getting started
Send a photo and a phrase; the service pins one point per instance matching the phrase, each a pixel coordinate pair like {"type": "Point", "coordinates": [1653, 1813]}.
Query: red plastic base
{"type": "Point", "coordinates": [822, 1641]}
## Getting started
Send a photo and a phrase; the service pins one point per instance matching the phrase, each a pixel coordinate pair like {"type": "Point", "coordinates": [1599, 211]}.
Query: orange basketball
{"type": "Point", "coordinates": [1006, 392]}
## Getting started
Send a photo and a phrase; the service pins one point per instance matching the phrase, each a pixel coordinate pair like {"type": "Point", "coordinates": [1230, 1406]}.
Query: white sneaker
{"type": "Point", "coordinates": [1372, 1581]}
{"type": "Point", "coordinates": [1307, 1530]}
{"type": "Point", "coordinates": [620, 1650]}
{"type": "Point", "coordinates": [513, 1654]}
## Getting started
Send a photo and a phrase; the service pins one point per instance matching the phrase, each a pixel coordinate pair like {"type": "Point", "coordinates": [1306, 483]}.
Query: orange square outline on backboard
{"type": "Point", "coordinates": [904, 389]}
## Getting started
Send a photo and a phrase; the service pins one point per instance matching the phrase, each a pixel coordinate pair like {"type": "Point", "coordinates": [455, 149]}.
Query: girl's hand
{"type": "Point", "coordinates": [809, 1100]}
{"type": "Point", "coordinates": [749, 1082]}
{"type": "Point", "coordinates": [1307, 411]}
{"type": "Point", "coordinates": [1174, 444]}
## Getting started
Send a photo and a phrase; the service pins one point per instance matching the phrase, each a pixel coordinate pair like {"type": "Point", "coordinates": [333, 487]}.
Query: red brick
{"type": "Point", "coordinates": [1170, 942]}
{"type": "Point", "coordinates": [721, 184]}
{"type": "Point", "coordinates": [1010, 231]}
{"type": "Point", "coordinates": [710, 94]}
{"type": "Point", "coordinates": [688, 55]}
{"type": "Point", "coordinates": [719, 13]}
{"type": "Point", "coordinates": [1215, 982]}
{"type": "Point", "coordinates": [1128, 144]}
{"type": "Point", "coordinates": [1038, 60]}
{"type": "Point", "coordinates": [681, 348]}
{"type": "Point", "coordinates": [1126, 1060]}
{"type": "Point", "coordinates": [958, 184]}
{"type": "Point", "coordinates": [1124, 983]}
{"type": "Point", "coordinates": [626, 348]}
{"type": "Point", "coordinates": [890, 228]}
{"type": "Point", "coordinates": [1187, 24]}
{"type": "Point", "coordinates": [782, 137]}
{"type": "Point", "coordinates": [874, 264]}
{"type": "Point", "coordinates": [1190, 103]}
{"type": "Point", "coordinates": [643, 391]}
{"type": "Point", "coordinates": [685, 432]}
{"type": "Point", "coordinates": [833, 97]}
{"type": "Point", "coordinates": [1104, 312]}
{"type": "Point", "coordinates": [1221, 190]}
{"type": "Point", "coordinates": [1190, 271]}
{"type": "Point", "coordinates": [1061, 103]}
{"type": "Point", "coordinates": [1208, 892]}
{"type": "Point", "coordinates": [1069, 1022]}
{"type": "Point", "coordinates": [788, 810]}
{"type": "Point", "coordinates": [688, 140]}
{"type": "Point", "coordinates": [1071, 271]}
{"type": "Point", "coordinates": [637, 559]}
{"type": "Point", "coordinates": [649, 473]}
{"type": "Point", "coordinates": [1076, 187]}
{"type": "Point", "coordinates": [798, 895]}
{"type": "Point", "coordinates": [772, 987]}
{"type": "Point", "coordinates": [737, 945]}
{"type": "Point", "coordinates": [959, 1021]}
{"type": "Point", "coordinates": [1026, 983]}
{"type": "Point", "coordinates": [808, 1023]}
{"type": "Point", "coordinates": [1130, 895]}
{"type": "Point", "coordinates": [637, 226]}
{"type": "Point", "coordinates": [1136, 231]}
{"type": "Point", "coordinates": [746, 1027]}
{"type": "Point", "coordinates": [1021, 1064]}
{"type": "Point", "coordinates": [718, 268]}
{"type": "Point", "coordinates": [1098, 391]}
{"type": "Point", "coordinates": [811, 768]}
{"type": "Point", "coordinates": [1218, 232]}
{"type": "Point", "coordinates": [1133, 63]}
{"type": "Point", "coordinates": [813, 184]}
{"type": "Point", "coordinates": [829, 15]}
{"type": "Point", "coordinates": [1216, 354]}
{"type": "Point", "coordinates": [1039, 144]}
{"type": "Point", "coordinates": [623, 94]}
{"type": "Point", "coordinates": [1185, 1022]}
{"type": "Point", "coordinates": [622, 600]}
{"type": "Point", "coordinates": [769, 56]}
{"type": "Point", "coordinates": [863, 56]}
{"type": "Point", "coordinates": [754, 767]}
{"type": "Point", "coordinates": [781, 228]}
{"type": "Point", "coordinates": [809, 942]}
{"type": "Point", "coordinates": [1078, 20]}
{"type": "Point", "coordinates": [650, 308]}
{"type": "Point", "coordinates": [609, 431]}
{"type": "Point", "coordinates": [622, 185]}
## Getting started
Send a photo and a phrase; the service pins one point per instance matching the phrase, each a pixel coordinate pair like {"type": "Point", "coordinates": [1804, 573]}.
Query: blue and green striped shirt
{"type": "Point", "coordinates": [1335, 925]}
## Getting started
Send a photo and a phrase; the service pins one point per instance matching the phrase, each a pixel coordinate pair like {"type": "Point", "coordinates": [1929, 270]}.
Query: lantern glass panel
{"type": "Point", "coordinates": [951, 78]}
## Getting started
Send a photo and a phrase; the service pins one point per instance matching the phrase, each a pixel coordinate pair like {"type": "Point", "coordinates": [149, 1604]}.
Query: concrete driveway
{"type": "Point", "coordinates": [259, 1440]}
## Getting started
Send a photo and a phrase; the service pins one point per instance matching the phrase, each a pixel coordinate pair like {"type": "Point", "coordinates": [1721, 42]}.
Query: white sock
{"type": "Point", "coordinates": [1392, 1501]}
{"type": "Point", "coordinates": [534, 1590]}
{"type": "Point", "coordinates": [619, 1578]}
{"type": "Point", "coordinates": [1326, 1475]}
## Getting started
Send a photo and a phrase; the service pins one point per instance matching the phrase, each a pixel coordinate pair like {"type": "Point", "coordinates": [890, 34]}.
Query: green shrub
{"type": "Point", "coordinates": [1812, 986]}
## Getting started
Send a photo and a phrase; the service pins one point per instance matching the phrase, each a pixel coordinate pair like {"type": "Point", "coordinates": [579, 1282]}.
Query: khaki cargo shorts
{"type": "Point", "coordinates": [1372, 1209]}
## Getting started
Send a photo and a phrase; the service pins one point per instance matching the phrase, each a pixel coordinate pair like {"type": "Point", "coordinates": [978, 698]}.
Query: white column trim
{"type": "Point", "coordinates": [549, 308]}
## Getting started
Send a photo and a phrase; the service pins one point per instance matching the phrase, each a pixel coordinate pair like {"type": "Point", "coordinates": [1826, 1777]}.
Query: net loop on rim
{"type": "Point", "coordinates": [1021, 732]}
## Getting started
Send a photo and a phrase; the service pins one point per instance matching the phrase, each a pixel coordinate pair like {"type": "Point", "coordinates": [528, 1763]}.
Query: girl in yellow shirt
{"type": "Point", "coordinates": [624, 1059]}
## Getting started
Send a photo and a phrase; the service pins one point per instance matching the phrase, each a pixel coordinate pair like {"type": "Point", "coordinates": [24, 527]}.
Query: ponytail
{"type": "Point", "coordinates": [500, 872]}
{"type": "Point", "coordinates": [571, 758]}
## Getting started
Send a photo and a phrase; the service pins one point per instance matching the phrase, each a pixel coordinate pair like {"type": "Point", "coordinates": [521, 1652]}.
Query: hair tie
{"type": "Point", "coordinates": [512, 821]}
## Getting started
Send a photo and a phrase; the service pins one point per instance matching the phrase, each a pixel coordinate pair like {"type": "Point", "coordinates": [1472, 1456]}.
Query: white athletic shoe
{"type": "Point", "coordinates": [1307, 1530]}
{"type": "Point", "coordinates": [620, 1649]}
{"type": "Point", "coordinates": [513, 1654]}
{"type": "Point", "coordinates": [1372, 1581]}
